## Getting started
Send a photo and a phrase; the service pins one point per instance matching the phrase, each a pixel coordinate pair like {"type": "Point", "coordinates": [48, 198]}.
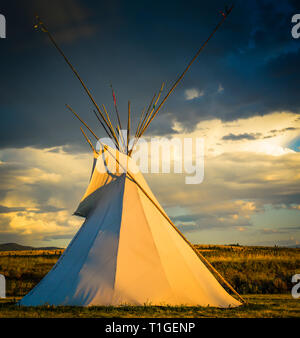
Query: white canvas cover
{"type": "Point", "coordinates": [126, 252]}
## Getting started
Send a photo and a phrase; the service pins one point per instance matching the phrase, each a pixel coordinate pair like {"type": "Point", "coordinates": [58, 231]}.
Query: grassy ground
{"type": "Point", "coordinates": [253, 269]}
{"type": "Point", "coordinates": [259, 306]}
{"type": "Point", "coordinates": [262, 274]}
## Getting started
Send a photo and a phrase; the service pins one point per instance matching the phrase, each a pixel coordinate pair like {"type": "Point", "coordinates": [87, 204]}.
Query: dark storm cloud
{"type": "Point", "coordinates": [54, 237]}
{"type": "Point", "coordinates": [137, 45]}
{"type": "Point", "coordinates": [5, 210]}
{"type": "Point", "coordinates": [219, 220]}
{"type": "Point", "coordinates": [47, 208]}
{"type": "Point", "coordinates": [281, 230]}
{"type": "Point", "coordinates": [244, 136]}
{"type": "Point", "coordinates": [276, 131]}
{"type": "Point", "coordinates": [42, 209]}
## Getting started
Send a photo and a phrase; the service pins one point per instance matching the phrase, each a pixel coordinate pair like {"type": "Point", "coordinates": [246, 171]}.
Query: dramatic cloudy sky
{"type": "Point", "coordinates": [241, 96]}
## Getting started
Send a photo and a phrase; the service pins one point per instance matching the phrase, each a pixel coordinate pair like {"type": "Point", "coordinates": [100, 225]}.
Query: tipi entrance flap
{"type": "Point", "coordinates": [66, 283]}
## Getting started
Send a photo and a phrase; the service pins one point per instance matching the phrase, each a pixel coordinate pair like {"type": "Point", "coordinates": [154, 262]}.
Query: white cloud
{"type": "Point", "coordinates": [193, 93]}
{"type": "Point", "coordinates": [273, 133]}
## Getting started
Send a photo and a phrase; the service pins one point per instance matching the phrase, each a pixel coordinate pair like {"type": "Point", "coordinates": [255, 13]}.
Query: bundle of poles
{"type": "Point", "coordinates": [126, 145]}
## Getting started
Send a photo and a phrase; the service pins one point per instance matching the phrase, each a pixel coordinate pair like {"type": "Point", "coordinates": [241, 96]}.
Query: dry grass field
{"type": "Point", "coordinates": [259, 306]}
{"type": "Point", "coordinates": [261, 274]}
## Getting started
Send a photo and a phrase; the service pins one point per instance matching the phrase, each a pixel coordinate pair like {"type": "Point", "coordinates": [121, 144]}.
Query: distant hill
{"type": "Point", "coordinates": [18, 247]}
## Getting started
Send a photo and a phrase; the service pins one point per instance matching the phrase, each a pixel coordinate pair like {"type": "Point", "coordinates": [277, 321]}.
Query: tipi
{"type": "Point", "coordinates": [127, 251]}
